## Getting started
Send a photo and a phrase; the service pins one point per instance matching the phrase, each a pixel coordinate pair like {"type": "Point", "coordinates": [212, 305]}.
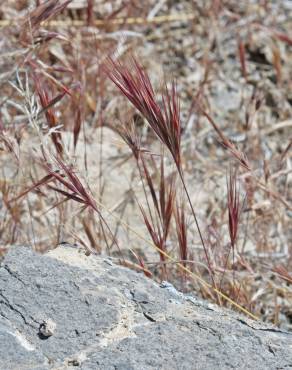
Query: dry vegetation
{"type": "Point", "coordinates": [158, 132]}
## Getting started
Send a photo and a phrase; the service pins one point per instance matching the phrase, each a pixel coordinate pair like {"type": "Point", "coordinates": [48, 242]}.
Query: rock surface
{"type": "Point", "coordinates": [64, 309]}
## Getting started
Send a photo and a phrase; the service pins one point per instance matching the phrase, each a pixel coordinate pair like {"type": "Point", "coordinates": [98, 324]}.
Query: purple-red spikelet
{"type": "Point", "coordinates": [181, 230]}
{"type": "Point", "coordinates": [234, 209]}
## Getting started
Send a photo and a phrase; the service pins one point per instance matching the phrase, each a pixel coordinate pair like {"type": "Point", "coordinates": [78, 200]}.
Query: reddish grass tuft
{"type": "Point", "coordinates": [135, 84]}
{"type": "Point", "coordinates": [158, 225]}
{"type": "Point", "coordinates": [45, 11]}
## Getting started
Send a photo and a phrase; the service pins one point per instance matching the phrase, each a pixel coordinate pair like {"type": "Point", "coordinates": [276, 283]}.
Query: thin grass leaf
{"type": "Point", "coordinates": [234, 207]}
{"type": "Point", "coordinates": [242, 57]}
{"type": "Point", "coordinates": [36, 185]}
{"type": "Point", "coordinates": [49, 113]}
{"type": "Point", "coordinates": [68, 195]}
{"type": "Point", "coordinates": [181, 230]}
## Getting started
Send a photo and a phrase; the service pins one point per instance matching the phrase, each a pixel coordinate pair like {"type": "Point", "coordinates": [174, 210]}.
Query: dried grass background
{"type": "Point", "coordinates": [69, 177]}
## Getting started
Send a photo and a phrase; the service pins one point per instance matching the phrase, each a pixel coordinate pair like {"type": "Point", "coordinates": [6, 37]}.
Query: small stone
{"type": "Point", "coordinates": [74, 362]}
{"type": "Point", "coordinates": [47, 328]}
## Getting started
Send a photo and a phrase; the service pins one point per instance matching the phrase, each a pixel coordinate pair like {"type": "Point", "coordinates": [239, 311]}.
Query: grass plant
{"type": "Point", "coordinates": [128, 156]}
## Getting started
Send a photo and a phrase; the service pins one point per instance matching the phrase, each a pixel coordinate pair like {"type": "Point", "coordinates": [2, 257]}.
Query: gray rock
{"type": "Point", "coordinates": [64, 310]}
